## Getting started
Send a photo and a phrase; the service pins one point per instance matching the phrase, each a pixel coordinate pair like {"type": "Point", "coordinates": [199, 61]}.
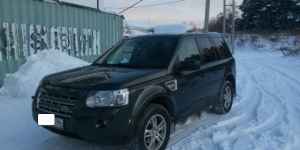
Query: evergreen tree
{"type": "Point", "coordinates": [270, 15]}
{"type": "Point", "coordinates": [216, 24]}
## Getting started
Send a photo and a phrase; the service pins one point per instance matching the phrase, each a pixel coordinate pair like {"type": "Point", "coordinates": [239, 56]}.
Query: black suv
{"type": "Point", "coordinates": [138, 89]}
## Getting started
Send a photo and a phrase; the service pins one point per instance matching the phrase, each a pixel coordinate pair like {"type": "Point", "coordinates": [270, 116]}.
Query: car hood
{"type": "Point", "coordinates": [101, 77]}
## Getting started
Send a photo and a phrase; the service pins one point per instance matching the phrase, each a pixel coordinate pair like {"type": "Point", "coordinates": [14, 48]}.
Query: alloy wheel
{"type": "Point", "coordinates": [155, 132]}
{"type": "Point", "coordinates": [227, 97]}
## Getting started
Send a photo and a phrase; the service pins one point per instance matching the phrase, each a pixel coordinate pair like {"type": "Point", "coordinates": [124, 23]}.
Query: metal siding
{"type": "Point", "coordinates": [35, 15]}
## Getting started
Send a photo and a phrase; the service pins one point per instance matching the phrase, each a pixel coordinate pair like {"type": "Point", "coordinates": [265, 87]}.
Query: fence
{"type": "Point", "coordinates": [270, 41]}
{"type": "Point", "coordinates": [30, 26]}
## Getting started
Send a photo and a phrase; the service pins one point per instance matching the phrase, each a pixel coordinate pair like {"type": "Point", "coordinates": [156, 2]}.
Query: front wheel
{"type": "Point", "coordinates": [225, 101]}
{"type": "Point", "coordinates": [154, 129]}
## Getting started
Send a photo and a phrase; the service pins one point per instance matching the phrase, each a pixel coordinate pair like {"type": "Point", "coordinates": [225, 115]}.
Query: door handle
{"type": "Point", "coordinates": [202, 75]}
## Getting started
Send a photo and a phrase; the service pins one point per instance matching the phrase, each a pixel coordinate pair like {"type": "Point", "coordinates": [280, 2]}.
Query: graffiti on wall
{"type": "Point", "coordinates": [19, 41]}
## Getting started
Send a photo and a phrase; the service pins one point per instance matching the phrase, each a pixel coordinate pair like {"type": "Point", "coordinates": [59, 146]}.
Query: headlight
{"type": "Point", "coordinates": [108, 98]}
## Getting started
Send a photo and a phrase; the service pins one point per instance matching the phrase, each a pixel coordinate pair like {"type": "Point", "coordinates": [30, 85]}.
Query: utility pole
{"type": "Point", "coordinates": [233, 7]}
{"type": "Point", "coordinates": [224, 16]}
{"type": "Point", "coordinates": [98, 7]}
{"type": "Point", "coordinates": [207, 10]}
{"type": "Point", "coordinates": [233, 17]}
{"type": "Point", "coordinates": [233, 25]}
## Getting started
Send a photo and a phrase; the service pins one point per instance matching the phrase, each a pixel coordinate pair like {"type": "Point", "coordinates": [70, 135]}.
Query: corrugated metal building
{"type": "Point", "coordinates": [29, 26]}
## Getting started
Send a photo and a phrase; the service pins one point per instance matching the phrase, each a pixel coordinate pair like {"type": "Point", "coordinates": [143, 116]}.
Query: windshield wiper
{"type": "Point", "coordinates": [116, 65]}
{"type": "Point", "coordinates": [127, 66]}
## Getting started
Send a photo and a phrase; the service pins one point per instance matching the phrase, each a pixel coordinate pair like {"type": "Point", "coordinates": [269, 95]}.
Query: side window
{"type": "Point", "coordinates": [208, 52]}
{"type": "Point", "coordinates": [188, 51]}
{"type": "Point", "coordinates": [222, 47]}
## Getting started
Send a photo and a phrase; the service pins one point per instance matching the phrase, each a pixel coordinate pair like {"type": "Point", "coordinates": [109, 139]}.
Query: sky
{"type": "Point", "coordinates": [183, 11]}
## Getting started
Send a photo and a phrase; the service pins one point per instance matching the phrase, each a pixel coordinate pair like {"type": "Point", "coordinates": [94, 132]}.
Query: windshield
{"type": "Point", "coordinates": [142, 52]}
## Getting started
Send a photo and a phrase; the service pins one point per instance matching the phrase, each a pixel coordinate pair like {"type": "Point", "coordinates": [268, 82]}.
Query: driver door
{"type": "Point", "coordinates": [188, 80]}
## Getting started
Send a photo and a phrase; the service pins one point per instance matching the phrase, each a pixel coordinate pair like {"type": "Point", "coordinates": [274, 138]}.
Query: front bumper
{"type": "Point", "coordinates": [109, 126]}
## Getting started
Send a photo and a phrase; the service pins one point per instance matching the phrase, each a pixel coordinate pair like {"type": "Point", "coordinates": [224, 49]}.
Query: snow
{"type": "Point", "coordinates": [265, 114]}
{"type": "Point", "coordinates": [142, 29]}
{"type": "Point", "coordinates": [138, 24]}
{"type": "Point", "coordinates": [171, 29]}
{"type": "Point", "coordinates": [24, 82]}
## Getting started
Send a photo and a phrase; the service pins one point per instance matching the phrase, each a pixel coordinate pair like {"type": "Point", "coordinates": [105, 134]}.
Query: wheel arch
{"type": "Point", "coordinates": [154, 95]}
{"type": "Point", "coordinates": [164, 101]}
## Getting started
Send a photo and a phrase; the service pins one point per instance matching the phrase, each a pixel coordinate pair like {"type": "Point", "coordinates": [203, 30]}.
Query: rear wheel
{"type": "Point", "coordinates": [225, 101]}
{"type": "Point", "coordinates": [154, 129]}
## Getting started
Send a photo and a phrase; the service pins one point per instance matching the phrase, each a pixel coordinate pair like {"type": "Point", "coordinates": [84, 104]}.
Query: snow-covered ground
{"type": "Point", "coordinates": [265, 115]}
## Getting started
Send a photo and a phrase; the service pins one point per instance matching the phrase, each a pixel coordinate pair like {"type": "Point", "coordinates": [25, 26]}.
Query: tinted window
{"type": "Point", "coordinates": [222, 48]}
{"type": "Point", "coordinates": [143, 52]}
{"type": "Point", "coordinates": [208, 52]}
{"type": "Point", "coordinates": [188, 51]}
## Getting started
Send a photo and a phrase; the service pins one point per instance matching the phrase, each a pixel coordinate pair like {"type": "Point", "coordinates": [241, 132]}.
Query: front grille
{"type": "Point", "coordinates": [58, 104]}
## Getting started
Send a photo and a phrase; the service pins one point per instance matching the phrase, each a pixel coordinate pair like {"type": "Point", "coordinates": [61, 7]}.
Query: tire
{"type": "Point", "coordinates": [147, 133]}
{"type": "Point", "coordinates": [224, 103]}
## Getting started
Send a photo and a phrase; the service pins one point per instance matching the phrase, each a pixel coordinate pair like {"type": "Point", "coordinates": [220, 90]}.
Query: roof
{"type": "Point", "coordinates": [86, 7]}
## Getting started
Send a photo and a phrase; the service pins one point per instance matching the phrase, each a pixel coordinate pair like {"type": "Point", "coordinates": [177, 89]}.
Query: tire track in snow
{"type": "Point", "coordinates": [266, 124]}
{"type": "Point", "coordinates": [291, 100]}
{"type": "Point", "coordinates": [225, 139]}
{"type": "Point", "coordinates": [284, 112]}
{"type": "Point", "coordinates": [209, 131]}
{"type": "Point", "coordinates": [293, 83]}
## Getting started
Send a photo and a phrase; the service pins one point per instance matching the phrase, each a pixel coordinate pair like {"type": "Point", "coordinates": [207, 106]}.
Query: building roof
{"type": "Point", "coordinates": [82, 6]}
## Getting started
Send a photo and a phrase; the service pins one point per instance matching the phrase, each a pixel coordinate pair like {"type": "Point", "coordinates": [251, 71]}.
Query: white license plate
{"type": "Point", "coordinates": [50, 120]}
{"type": "Point", "coordinates": [59, 123]}
{"type": "Point", "coordinates": [46, 119]}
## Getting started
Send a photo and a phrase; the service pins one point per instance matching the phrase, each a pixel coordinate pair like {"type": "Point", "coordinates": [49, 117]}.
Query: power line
{"type": "Point", "coordinates": [131, 6]}
{"type": "Point", "coordinates": [160, 4]}
{"type": "Point", "coordinates": [151, 5]}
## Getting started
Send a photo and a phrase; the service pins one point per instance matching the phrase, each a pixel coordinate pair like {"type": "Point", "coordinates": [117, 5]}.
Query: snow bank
{"type": "Point", "coordinates": [138, 24]}
{"type": "Point", "coordinates": [171, 29]}
{"type": "Point", "coordinates": [140, 29]}
{"type": "Point", "coordinates": [24, 82]}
